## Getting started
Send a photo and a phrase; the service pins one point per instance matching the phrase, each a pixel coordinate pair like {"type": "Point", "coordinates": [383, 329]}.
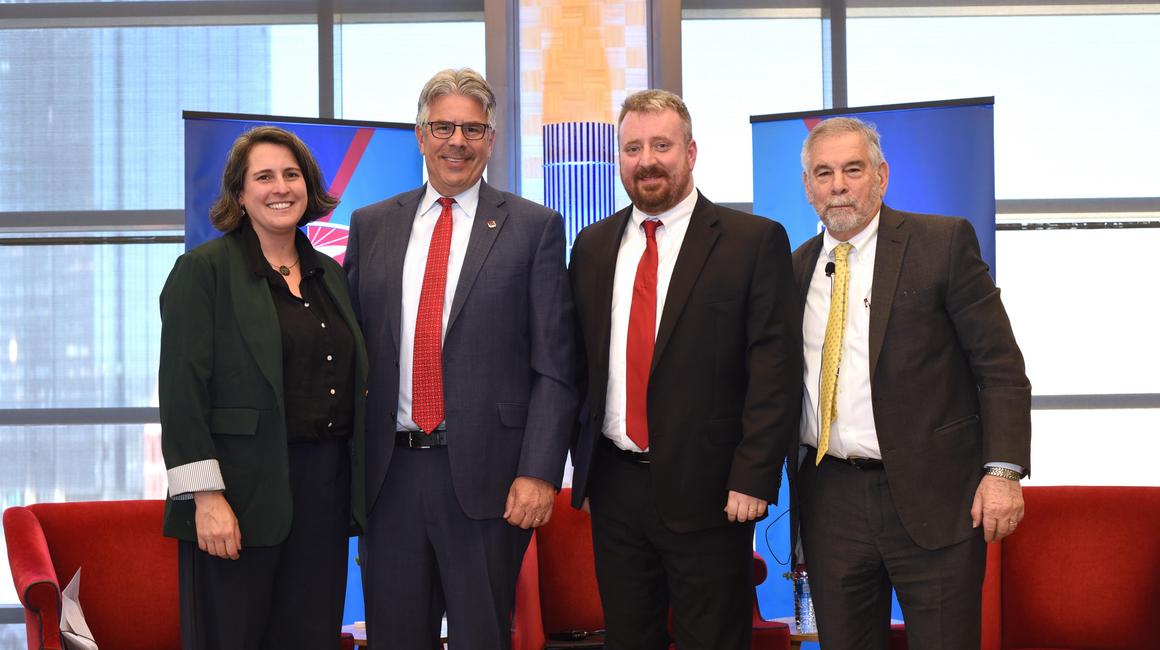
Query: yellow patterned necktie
{"type": "Point", "coordinates": [832, 347]}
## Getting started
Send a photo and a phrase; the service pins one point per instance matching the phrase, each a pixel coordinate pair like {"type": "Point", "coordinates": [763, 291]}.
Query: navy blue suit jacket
{"type": "Point", "coordinates": [508, 351]}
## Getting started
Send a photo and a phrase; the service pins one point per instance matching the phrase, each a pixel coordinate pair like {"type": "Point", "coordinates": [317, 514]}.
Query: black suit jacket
{"type": "Point", "coordinates": [220, 387]}
{"type": "Point", "coordinates": [948, 385]}
{"type": "Point", "coordinates": [724, 392]}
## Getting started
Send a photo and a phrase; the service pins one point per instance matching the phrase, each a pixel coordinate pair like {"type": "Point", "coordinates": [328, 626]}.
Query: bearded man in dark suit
{"type": "Point", "coordinates": [692, 358]}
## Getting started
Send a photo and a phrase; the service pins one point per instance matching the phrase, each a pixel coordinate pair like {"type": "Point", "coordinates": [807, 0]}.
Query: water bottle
{"type": "Point", "coordinates": [803, 604]}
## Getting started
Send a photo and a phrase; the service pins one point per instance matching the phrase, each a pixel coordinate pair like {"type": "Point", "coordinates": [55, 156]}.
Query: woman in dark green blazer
{"type": "Point", "coordinates": [262, 387]}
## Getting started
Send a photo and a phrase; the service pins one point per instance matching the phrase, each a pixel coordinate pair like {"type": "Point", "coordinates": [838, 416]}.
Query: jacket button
{"type": "Point", "coordinates": [366, 392]}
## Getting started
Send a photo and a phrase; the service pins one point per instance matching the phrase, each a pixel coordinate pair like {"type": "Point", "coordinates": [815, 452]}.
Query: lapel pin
{"type": "Point", "coordinates": [491, 223]}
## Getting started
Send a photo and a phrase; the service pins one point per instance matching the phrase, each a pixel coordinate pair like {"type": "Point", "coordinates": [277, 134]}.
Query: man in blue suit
{"type": "Point", "coordinates": [464, 299]}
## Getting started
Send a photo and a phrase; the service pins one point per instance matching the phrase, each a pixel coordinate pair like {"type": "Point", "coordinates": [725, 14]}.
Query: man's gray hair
{"type": "Point", "coordinates": [841, 126]}
{"type": "Point", "coordinates": [657, 101]}
{"type": "Point", "coordinates": [464, 81]}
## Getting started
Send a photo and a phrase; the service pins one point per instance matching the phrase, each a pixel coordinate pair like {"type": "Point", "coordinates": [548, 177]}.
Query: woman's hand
{"type": "Point", "coordinates": [217, 527]}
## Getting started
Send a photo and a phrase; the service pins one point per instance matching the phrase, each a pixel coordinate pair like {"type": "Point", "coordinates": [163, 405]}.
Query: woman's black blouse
{"type": "Point", "coordinates": [317, 347]}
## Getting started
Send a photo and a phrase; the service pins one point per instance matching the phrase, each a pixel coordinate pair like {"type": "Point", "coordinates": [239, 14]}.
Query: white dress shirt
{"type": "Point", "coordinates": [670, 235]}
{"type": "Point", "coordinates": [415, 267]}
{"type": "Point", "coordinates": [852, 432]}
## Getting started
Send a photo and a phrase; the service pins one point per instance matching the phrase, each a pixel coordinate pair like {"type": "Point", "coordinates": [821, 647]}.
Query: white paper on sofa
{"type": "Point", "coordinates": [74, 631]}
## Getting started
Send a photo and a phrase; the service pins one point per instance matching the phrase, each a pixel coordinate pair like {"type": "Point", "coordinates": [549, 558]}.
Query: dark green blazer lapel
{"type": "Point", "coordinates": [700, 237]}
{"type": "Point", "coordinates": [255, 314]}
{"type": "Point", "coordinates": [893, 236]}
{"type": "Point", "coordinates": [490, 215]}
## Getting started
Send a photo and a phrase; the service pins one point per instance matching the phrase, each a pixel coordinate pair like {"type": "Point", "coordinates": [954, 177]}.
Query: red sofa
{"type": "Point", "coordinates": [129, 577]}
{"type": "Point", "coordinates": [557, 590]}
{"type": "Point", "coordinates": [1082, 571]}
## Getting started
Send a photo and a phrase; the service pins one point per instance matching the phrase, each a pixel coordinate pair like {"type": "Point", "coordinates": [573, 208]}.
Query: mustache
{"type": "Point", "coordinates": [654, 171]}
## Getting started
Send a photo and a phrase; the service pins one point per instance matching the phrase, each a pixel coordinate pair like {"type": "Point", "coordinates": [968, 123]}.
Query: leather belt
{"type": "Point", "coordinates": [420, 440]}
{"type": "Point", "coordinates": [853, 461]}
{"type": "Point", "coordinates": [638, 457]}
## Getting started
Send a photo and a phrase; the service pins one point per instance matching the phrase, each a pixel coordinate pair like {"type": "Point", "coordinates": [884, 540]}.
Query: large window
{"type": "Point", "coordinates": [1073, 93]}
{"type": "Point", "coordinates": [734, 68]}
{"type": "Point", "coordinates": [382, 72]}
{"type": "Point", "coordinates": [91, 118]}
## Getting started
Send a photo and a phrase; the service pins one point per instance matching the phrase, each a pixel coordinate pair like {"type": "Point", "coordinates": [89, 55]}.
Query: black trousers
{"type": "Point", "coordinates": [423, 556]}
{"type": "Point", "coordinates": [284, 597]}
{"type": "Point", "coordinates": [856, 549]}
{"type": "Point", "coordinates": [643, 568]}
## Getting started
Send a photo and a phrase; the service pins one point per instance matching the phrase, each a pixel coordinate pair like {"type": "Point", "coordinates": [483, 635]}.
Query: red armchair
{"type": "Point", "coordinates": [129, 578]}
{"type": "Point", "coordinates": [557, 590]}
{"type": "Point", "coordinates": [1083, 571]}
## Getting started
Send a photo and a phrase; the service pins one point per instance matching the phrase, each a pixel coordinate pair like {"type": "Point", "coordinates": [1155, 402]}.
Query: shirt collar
{"type": "Point", "coordinates": [829, 242]}
{"type": "Point", "coordinates": [468, 200]}
{"type": "Point", "coordinates": [683, 210]}
{"type": "Point", "coordinates": [307, 256]}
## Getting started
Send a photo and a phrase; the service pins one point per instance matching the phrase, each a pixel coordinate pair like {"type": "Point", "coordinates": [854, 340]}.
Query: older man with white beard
{"type": "Point", "coordinates": [916, 425]}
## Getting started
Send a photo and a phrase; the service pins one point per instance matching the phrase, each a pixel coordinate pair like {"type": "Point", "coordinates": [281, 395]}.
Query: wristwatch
{"type": "Point", "coordinates": [1003, 472]}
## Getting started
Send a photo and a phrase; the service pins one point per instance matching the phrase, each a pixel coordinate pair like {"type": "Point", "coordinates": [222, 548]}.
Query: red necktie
{"type": "Point", "coordinates": [427, 363]}
{"type": "Point", "coordinates": [642, 323]}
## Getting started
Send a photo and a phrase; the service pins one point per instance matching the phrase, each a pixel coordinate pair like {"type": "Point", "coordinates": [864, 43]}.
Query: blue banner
{"type": "Point", "coordinates": [362, 162]}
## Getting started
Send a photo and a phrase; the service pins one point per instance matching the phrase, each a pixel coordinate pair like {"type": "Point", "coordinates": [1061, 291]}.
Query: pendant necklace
{"type": "Point", "coordinates": [283, 269]}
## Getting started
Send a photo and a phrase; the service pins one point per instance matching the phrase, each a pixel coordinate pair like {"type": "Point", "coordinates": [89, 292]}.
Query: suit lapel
{"type": "Point", "coordinates": [255, 314]}
{"type": "Point", "coordinates": [805, 270]}
{"type": "Point", "coordinates": [490, 216]}
{"type": "Point", "coordinates": [892, 238]}
{"type": "Point", "coordinates": [699, 240]}
{"type": "Point", "coordinates": [396, 236]}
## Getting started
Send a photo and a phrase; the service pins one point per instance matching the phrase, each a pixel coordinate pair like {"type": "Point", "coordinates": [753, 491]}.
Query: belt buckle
{"type": "Point", "coordinates": [412, 436]}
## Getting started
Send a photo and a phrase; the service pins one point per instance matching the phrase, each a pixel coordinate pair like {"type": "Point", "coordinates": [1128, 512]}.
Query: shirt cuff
{"type": "Point", "coordinates": [1011, 466]}
{"type": "Point", "coordinates": [201, 476]}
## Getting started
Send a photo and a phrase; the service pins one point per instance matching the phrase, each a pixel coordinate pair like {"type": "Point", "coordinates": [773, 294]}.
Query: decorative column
{"type": "Point", "coordinates": [579, 59]}
{"type": "Point", "coordinates": [580, 172]}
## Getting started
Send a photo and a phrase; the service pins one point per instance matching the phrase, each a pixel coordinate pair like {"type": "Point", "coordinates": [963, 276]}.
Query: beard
{"type": "Point", "coordinates": [842, 218]}
{"type": "Point", "coordinates": [845, 214]}
{"type": "Point", "coordinates": [663, 198]}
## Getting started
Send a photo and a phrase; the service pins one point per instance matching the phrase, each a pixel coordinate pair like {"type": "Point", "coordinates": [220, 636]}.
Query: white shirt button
{"type": "Point", "coordinates": [305, 304]}
{"type": "Point", "coordinates": [324, 326]}
{"type": "Point", "coordinates": [332, 391]}
{"type": "Point", "coordinates": [329, 358]}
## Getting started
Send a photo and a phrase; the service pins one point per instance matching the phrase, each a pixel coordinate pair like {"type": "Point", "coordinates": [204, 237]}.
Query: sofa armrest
{"type": "Point", "coordinates": [33, 576]}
